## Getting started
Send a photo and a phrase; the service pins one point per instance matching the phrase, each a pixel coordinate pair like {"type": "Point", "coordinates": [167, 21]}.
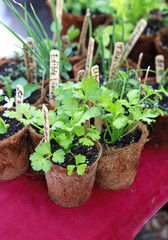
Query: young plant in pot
{"type": "Point", "coordinates": [74, 13]}
{"type": "Point", "coordinates": [41, 40]}
{"type": "Point", "coordinates": [127, 13]}
{"type": "Point", "coordinates": [159, 129]}
{"type": "Point", "coordinates": [71, 156]}
{"type": "Point", "coordinates": [13, 148]}
{"type": "Point", "coordinates": [123, 134]}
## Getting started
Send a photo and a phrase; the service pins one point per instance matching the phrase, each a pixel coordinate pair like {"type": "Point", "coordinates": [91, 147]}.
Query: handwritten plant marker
{"type": "Point", "coordinates": [141, 25]}
{"type": "Point", "coordinates": [54, 76]}
{"type": "Point", "coordinates": [159, 67]}
{"type": "Point", "coordinates": [97, 120]}
{"type": "Point", "coordinates": [19, 96]}
{"type": "Point", "coordinates": [83, 34]}
{"type": "Point", "coordinates": [89, 57]}
{"type": "Point", "coordinates": [118, 52]}
{"type": "Point", "coordinates": [32, 61]}
{"type": "Point", "coordinates": [65, 42]}
{"type": "Point", "coordinates": [26, 61]}
{"type": "Point", "coordinates": [46, 124]}
{"type": "Point", "coordinates": [81, 75]}
{"type": "Point", "coordinates": [95, 72]}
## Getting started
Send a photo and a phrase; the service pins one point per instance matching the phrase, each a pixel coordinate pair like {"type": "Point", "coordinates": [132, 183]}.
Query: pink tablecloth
{"type": "Point", "coordinates": [27, 213]}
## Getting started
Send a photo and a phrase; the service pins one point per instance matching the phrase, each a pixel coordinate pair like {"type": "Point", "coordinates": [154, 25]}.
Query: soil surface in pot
{"type": "Point", "coordinates": [153, 27]}
{"type": "Point", "coordinates": [14, 126]}
{"type": "Point", "coordinates": [122, 142]}
{"type": "Point", "coordinates": [35, 96]}
{"type": "Point", "coordinates": [14, 70]}
{"type": "Point", "coordinates": [164, 41]}
{"type": "Point", "coordinates": [90, 152]}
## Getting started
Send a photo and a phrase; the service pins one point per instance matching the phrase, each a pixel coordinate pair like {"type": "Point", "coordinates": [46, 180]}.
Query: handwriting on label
{"type": "Point", "coordinates": [89, 57]}
{"type": "Point", "coordinates": [118, 51]}
{"type": "Point", "coordinates": [134, 37]}
{"type": "Point", "coordinates": [26, 61]}
{"type": "Point", "coordinates": [32, 61]}
{"type": "Point", "coordinates": [46, 124]}
{"type": "Point", "coordinates": [95, 72]}
{"type": "Point", "coordinates": [19, 96]}
{"type": "Point", "coordinates": [81, 75]}
{"type": "Point", "coordinates": [82, 39]}
{"type": "Point", "coordinates": [54, 76]}
{"type": "Point", "coordinates": [65, 42]}
{"type": "Point", "coordinates": [159, 67]}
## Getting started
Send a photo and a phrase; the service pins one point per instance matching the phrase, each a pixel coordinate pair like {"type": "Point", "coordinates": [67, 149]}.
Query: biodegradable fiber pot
{"type": "Point", "coordinates": [117, 167]}
{"type": "Point", "coordinates": [158, 137]}
{"type": "Point", "coordinates": [159, 44]}
{"type": "Point", "coordinates": [74, 190]}
{"type": "Point", "coordinates": [14, 155]}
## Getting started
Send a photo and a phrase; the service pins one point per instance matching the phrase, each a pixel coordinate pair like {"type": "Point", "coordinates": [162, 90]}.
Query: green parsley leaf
{"type": "Point", "coordinates": [58, 156]}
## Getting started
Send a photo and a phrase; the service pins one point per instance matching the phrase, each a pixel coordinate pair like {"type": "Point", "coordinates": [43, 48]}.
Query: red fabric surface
{"type": "Point", "coordinates": [26, 212]}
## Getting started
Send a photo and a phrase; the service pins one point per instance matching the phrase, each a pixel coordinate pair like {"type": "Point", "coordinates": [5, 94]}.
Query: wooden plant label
{"type": "Point", "coordinates": [65, 42]}
{"type": "Point", "coordinates": [81, 75]}
{"type": "Point", "coordinates": [54, 76]}
{"type": "Point", "coordinates": [118, 51]}
{"type": "Point", "coordinates": [134, 37]}
{"type": "Point", "coordinates": [95, 72]}
{"type": "Point", "coordinates": [59, 10]}
{"type": "Point", "coordinates": [42, 84]}
{"type": "Point", "coordinates": [139, 63]}
{"type": "Point", "coordinates": [19, 96]}
{"type": "Point", "coordinates": [26, 61]}
{"type": "Point", "coordinates": [159, 67]}
{"type": "Point", "coordinates": [83, 34]}
{"type": "Point", "coordinates": [46, 124]}
{"type": "Point", "coordinates": [89, 57]}
{"type": "Point", "coordinates": [32, 61]}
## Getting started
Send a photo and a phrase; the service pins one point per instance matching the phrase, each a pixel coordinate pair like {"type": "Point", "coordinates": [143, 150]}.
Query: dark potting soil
{"type": "Point", "coordinates": [14, 70]}
{"type": "Point", "coordinates": [33, 98]}
{"type": "Point", "coordinates": [164, 41]}
{"type": "Point", "coordinates": [122, 142]}
{"type": "Point", "coordinates": [153, 26]}
{"type": "Point", "coordinates": [14, 127]}
{"type": "Point", "coordinates": [90, 152]}
{"type": "Point", "coordinates": [74, 52]}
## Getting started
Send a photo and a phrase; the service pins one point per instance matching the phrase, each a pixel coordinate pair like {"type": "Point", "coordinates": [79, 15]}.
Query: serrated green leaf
{"type": "Point", "coordinates": [70, 169]}
{"type": "Point", "coordinates": [70, 105]}
{"type": "Point", "coordinates": [46, 165]}
{"type": "Point", "coordinates": [80, 159]}
{"type": "Point", "coordinates": [13, 114]}
{"type": "Point", "coordinates": [86, 142]}
{"type": "Point", "coordinates": [93, 134]}
{"type": "Point", "coordinates": [58, 156]}
{"type": "Point", "coordinates": [120, 122]}
{"type": "Point", "coordinates": [91, 88]}
{"type": "Point", "coordinates": [87, 115]}
{"type": "Point", "coordinates": [79, 130]}
{"type": "Point", "coordinates": [44, 148]}
{"type": "Point", "coordinates": [133, 96]}
{"type": "Point", "coordinates": [35, 157]}
{"type": "Point", "coordinates": [64, 139]}
{"type": "Point", "coordinates": [81, 169]}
